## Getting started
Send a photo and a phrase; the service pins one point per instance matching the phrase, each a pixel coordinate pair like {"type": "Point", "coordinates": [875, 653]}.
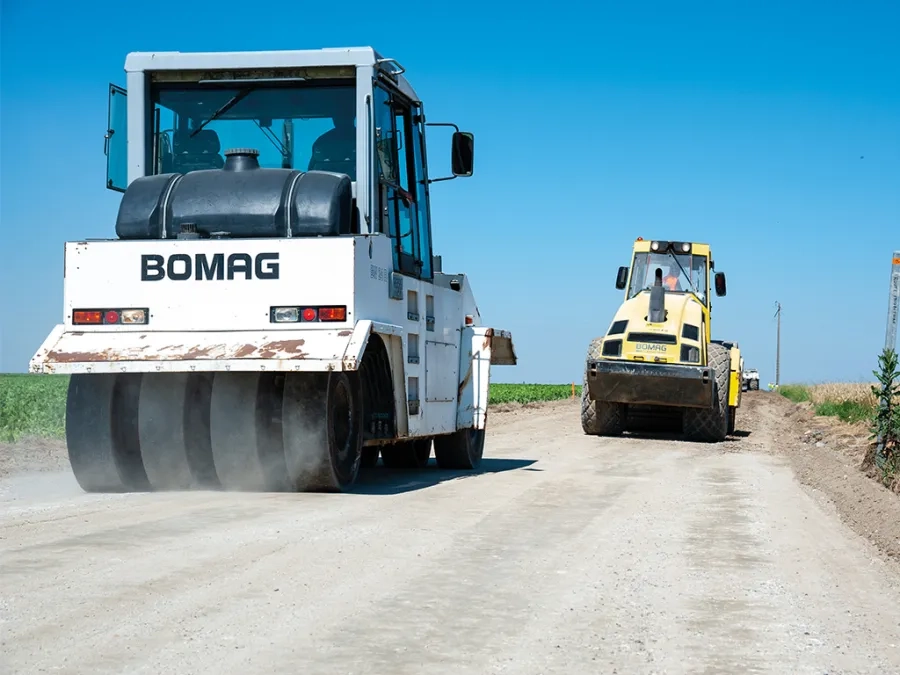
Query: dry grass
{"type": "Point", "coordinates": [851, 402]}
{"type": "Point", "coordinates": [854, 392]}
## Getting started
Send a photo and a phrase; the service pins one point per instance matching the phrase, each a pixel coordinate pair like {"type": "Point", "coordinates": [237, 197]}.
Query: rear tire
{"type": "Point", "coordinates": [323, 430]}
{"type": "Point", "coordinates": [102, 432]}
{"type": "Point", "coordinates": [710, 425]}
{"type": "Point", "coordinates": [174, 431]}
{"type": "Point", "coordinates": [245, 431]}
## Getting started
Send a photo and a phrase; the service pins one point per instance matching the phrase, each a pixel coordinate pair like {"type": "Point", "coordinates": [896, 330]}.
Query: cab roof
{"type": "Point", "coordinates": [642, 245]}
{"type": "Point", "coordinates": [351, 57]}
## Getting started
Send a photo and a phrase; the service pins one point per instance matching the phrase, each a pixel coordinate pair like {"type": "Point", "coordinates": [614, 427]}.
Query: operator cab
{"type": "Point", "coordinates": [342, 111]}
{"type": "Point", "coordinates": [680, 267]}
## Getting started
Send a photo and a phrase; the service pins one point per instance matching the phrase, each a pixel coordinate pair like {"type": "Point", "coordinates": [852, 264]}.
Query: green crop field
{"type": "Point", "coordinates": [32, 405]}
{"type": "Point", "coordinates": [530, 393]}
{"type": "Point", "coordinates": [35, 405]}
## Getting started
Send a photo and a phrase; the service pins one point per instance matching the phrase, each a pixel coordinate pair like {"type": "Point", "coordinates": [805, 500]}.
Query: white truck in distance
{"type": "Point", "coordinates": [269, 317]}
{"type": "Point", "coordinates": [751, 379]}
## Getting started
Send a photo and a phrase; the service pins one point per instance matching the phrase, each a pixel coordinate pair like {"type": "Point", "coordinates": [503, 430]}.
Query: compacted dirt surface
{"type": "Point", "coordinates": [565, 554]}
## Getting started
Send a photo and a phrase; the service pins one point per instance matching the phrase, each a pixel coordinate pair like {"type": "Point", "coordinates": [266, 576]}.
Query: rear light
{"type": "Point", "coordinates": [87, 317]}
{"type": "Point", "coordinates": [134, 316]}
{"type": "Point", "coordinates": [109, 317]}
{"type": "Point", "coordinates": [285, 315]}
{"type": "Point", "coordinates": [332, 314]}
{"type": "Point", "coordinates": [307, 314]}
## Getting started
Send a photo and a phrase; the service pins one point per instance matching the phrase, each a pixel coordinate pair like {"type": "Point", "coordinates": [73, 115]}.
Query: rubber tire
{"type": "Point", "coordinates": [461, 450]}
{"type": "Point", "coordinates": [710, 425]}
{"type": "Point", "coordinates": [369, 457]}
{"type": "Point", "coordinates": [102, 432]}
{"type": "Point", "coordinates": [411, 454]}
{"type": "Point", "coordinates": [245, 432]}
{"type": "Point", "coordinates": [599, 418]}
{"type": "Point", "coordinates": [174, 430]}
{"type": "Point", "coordinates": [323, 454]}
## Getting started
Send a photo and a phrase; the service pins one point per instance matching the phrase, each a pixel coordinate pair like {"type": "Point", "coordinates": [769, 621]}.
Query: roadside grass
{"type": "Point", "coordinates": [32, 405]}
{"type": "Point", "coordinates": [850, 402]}
{"type": "Point", "coordinates": [794, 392]}
{"type": "Point", "coordinates": [35, 405]}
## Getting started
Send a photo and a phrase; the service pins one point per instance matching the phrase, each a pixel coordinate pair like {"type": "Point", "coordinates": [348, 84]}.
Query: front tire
{"type": "Point", "coordinates": [369, 457]}
{"type": "Point", "coordinates": [409, 454]}
{"type": "Point", "coordinates": [599, 418]}
{"type": "Point", "coordinates": [710, 425]}
{"type": "Point", "coordinates": [461, 450]}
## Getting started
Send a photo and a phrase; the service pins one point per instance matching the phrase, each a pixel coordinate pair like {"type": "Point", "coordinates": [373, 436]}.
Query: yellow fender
{"type": "Point", "coordinates": [736, 369]}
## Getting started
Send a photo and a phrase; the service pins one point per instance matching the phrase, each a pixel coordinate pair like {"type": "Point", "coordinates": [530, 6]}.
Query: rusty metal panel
{"type": "Point", "coordinates": [69, 352]}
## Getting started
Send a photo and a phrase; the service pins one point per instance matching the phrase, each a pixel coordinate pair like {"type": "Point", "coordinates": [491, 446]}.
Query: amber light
{"type": "Point", "coordinates": [332, 313]}
{"type": "Point", "coordinates": [84, 316]}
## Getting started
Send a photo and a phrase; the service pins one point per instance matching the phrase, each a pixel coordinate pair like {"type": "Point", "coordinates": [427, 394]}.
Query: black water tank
{"type": "Point", "coordinates": [241, 199]}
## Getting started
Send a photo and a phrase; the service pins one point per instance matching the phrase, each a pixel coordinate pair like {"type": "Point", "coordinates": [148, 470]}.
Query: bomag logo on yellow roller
{"type": "Point", "coordinates": [649, 347]}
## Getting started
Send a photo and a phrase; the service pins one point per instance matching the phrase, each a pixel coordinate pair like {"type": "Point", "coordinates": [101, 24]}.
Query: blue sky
{"type": "Point", "coordinates": [771, 132]}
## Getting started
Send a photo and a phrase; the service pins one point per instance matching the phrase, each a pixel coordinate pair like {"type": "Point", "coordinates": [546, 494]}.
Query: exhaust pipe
{"type": "Point", "coordinates": [657, 313]}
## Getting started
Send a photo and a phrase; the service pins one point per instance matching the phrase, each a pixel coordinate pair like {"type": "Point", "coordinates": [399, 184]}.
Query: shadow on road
{"type": "Point", "coordinates": [383, 481]}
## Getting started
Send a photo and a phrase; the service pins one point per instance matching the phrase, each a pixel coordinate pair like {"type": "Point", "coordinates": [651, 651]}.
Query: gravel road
{"type": "Point", "coordinates": [567, 554]}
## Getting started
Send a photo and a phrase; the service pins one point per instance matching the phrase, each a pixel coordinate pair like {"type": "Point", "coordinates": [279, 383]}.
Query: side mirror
{"type": "Point", "coordinates": [622, 278]}
{"type": "Point", "coordinates": [720, 284]}
{"type": "Point", "coordinates": [462, 153]}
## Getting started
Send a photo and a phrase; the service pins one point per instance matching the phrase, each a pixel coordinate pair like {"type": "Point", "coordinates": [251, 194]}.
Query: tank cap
{"type": "Point", "coordinates": [253, 152]}
{"type": "Point", "coordinates": [241, 159]}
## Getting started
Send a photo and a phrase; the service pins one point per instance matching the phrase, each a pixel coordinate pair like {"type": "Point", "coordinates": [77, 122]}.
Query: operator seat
{"type": "Point", "coordinates": [335, 150]}
{"type": "Point", "coordinates": [197, 153]}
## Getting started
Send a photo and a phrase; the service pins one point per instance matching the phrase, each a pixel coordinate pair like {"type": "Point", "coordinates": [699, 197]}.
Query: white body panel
{"type": "Point", "coordinates": [440, 366]}
{"type": "Point", "coordinates": [108, 274]}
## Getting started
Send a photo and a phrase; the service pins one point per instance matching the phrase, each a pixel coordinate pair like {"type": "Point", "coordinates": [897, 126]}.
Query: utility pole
{"type": "Point", "coordinates": [890, 341]}
{"type": "Point", "coordinates": [890, 337]}
{"type": "Point", "coordinates": [778, 344]}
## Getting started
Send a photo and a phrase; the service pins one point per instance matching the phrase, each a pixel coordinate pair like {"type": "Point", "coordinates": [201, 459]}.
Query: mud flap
{"type": "Point", "coordinates": [480, 348]}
